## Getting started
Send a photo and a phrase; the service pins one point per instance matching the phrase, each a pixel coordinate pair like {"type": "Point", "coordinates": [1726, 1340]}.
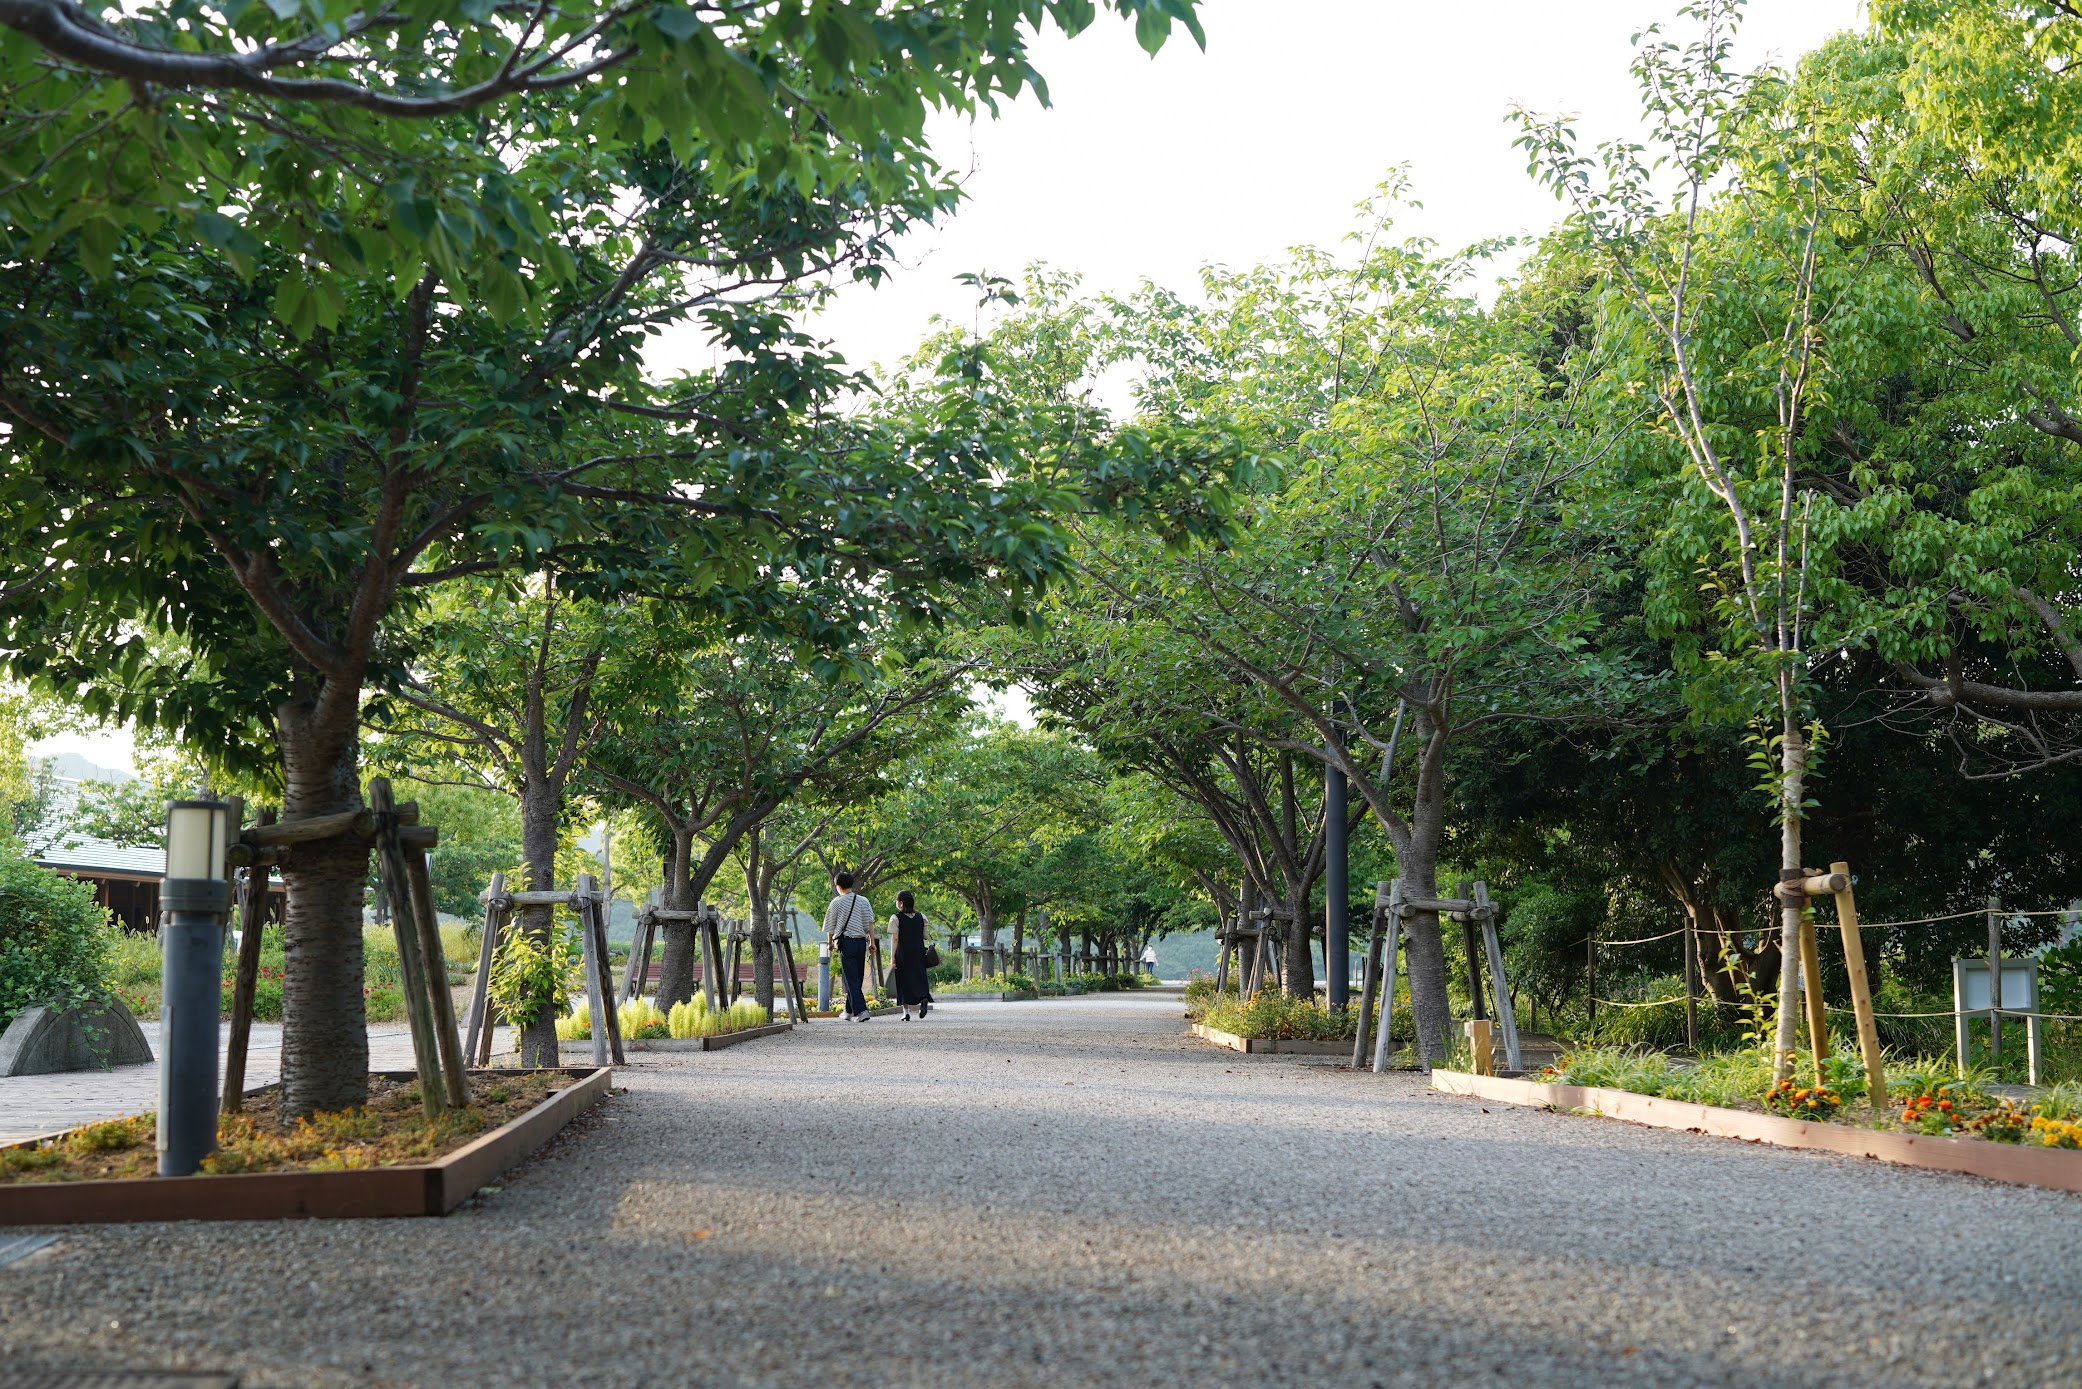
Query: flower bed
{"type": "Point", "coordinates": [383, 1159]}
{"type": "Point", "coordinates": [2004, 1162]}
{"type": "Point", "coordinates": [1922, 1098]}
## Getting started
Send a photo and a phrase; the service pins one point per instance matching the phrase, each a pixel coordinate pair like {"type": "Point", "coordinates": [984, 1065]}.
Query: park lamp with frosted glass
{"type": "Point", "coordinates": [195, 896]}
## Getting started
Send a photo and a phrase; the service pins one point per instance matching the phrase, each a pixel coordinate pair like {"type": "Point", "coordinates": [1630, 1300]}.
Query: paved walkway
{"type": "Point", "coordinates": [1073, 1193]}
{"type": "Point", "coordinates": [31, 1106]}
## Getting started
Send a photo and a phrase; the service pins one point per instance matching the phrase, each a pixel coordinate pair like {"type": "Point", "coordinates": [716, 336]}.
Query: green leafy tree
{"type": "Point", "coordinates": [734, 728]}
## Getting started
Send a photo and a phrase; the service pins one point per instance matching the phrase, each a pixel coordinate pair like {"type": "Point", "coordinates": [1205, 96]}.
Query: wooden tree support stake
{"type": "Point", "coordinates": [477, 1038]}
{"type": "Point", "coordinates": [1370, 977]}
{"type": "Point", "coordinates": [1861, 989]}
{"type": "Point", "coordinates": [252, 910]}
{"type": "Point", "coordinates": [411, 964]}
{"type": "Point", "coordinates": [1811, 980]}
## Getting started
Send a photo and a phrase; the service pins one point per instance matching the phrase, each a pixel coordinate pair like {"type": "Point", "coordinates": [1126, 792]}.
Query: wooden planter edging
{"type": "Point", "coordinates": [433, 1188]}
{"type": "Point", "coordinates": [1256, 1046]}
{"type": "Point", "coordinates": [1976, 1157]}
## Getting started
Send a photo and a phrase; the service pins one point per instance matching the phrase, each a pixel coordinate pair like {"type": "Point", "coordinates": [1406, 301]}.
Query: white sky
{"type": "Point", "coordinates": [1151, 168]}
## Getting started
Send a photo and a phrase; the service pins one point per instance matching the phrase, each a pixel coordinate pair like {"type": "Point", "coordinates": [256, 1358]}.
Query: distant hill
{"type": "Point", "coordinates": [71, 764]}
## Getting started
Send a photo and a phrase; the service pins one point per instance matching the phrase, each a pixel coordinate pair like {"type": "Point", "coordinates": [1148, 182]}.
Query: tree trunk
{"type": "Point", "coordinates": [1019, 936]}
{"type": "Point", "coordinates": [761, 931]}
{"type": "Point", "coordinates": [325, 1034]}
{"type": "Point", "coordinates": [1299, 965]}
{"type": "Point", "coordinates": [1419, 872]}
{"type": "Point", "coordinates": [1793, 775]}
{"type": "Point", "coordinates": [676, 961]}
{"type": "Point", "coordinates": [537, 1036]}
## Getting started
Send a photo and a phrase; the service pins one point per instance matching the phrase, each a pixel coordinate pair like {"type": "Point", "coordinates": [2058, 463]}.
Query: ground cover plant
{"type": "Point", "coordinates": [989, 984]}
{"type": "Point", "coordinates": [391, 1129]}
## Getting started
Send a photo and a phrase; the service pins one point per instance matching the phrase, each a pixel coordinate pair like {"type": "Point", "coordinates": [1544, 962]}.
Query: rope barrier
{"type": "Point", "coordinates": [1644, 940]}
{"type": "Point", "coordinates": [1863, 925]}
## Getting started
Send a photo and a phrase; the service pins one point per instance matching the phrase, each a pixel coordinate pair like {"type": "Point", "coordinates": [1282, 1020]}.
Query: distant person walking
{"type": "Point", "coordinates": [849, 922]}
{"type": "Point", "coordinates": [1149, 960]}
{"type": "Point", "coordinates": [907, 962]}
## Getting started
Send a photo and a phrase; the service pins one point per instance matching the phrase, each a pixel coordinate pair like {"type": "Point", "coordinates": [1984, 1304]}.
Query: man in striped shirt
{"type": "Point", "coordinates": [848, 923]}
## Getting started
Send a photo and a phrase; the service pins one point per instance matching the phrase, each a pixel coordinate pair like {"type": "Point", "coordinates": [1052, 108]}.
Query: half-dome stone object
{"type": "Point", "coordinates": [43, 1040]}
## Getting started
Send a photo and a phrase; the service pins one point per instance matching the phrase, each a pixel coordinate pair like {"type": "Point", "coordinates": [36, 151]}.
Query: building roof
{"type": "Point", "coordinates": [84, 854]}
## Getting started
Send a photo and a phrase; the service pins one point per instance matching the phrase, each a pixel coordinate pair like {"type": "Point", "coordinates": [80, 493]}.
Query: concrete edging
{"type": "Point", "coordinates": [1256, 1046]}
{"type": "Point", "coordinates": [1974, 1157]}
{"type": "Point", "coordinates": [432, 1188]}
{"type": "Point", "coordinates": [1012, 996]}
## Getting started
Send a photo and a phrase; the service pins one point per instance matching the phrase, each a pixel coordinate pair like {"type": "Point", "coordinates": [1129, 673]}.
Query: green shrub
{"type": "Point", "coordinates": [1271, 1014]}
{"type": "Point", "coordinates": [55, 943]}
{"type": "Point", "coordinates": [945, 972]}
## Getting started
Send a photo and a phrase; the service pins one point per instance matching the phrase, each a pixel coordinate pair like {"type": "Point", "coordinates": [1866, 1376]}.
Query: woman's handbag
{"type": "Point", "coordinates": [932, 956]}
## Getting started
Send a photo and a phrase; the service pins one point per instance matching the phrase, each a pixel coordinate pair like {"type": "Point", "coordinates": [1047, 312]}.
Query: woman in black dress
{"type": "Point", "coordinates": [907, 957]}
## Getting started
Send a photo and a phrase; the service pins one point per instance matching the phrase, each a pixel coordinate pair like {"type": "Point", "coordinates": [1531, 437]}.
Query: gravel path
{"type": "Point", "coordinates": [1074, 1193]}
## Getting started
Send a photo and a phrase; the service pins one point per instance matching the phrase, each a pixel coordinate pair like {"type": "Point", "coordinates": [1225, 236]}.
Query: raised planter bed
{"type": "Point", "coordinates": [432, 1188]}
{"type": "Point", "coordinates": [2022, 1164]}
{"type": "Point", "coordinates": [716, 1043]}
{"type": "Point", "coordinates": [1259, 1045]}
{"type": "Point", "coordinates": [1013, 996]}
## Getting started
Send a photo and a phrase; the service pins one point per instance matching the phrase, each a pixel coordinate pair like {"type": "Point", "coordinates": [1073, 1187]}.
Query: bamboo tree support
{"type": "Point", "coordinates": [1861, 989]}
{"type": "Point", "coordinates": [637, 976]}
{"type": "Point", "coordinates": [432, 1095]}
{"type": "Point", "coordinates": [1386, 1030]}
{"type": "Point", "coordinates": [1795, 887]}
{"type": "Point", "coordinates": [1500, 987]}
{"type": "Point", "coordinates": [784, 957]}
{"type": "Point", "coordinates": [705, 928]}
{"type": "Point", "coordinates": [1370, 976]}
{"type": "Point", "coordinates": [419, 892]}
{"type": "Point", "coordinates": [246, 979]}
{"type": "Point", "coordinates": [737, 938]}
{"type": "Point", "coordinates": [874, 953]}
{"type": "Point", "coordinates": [596, 930]}
{"type": "Point", "coordinates": [1811, 992]}
{"type": "Point", "coordinates": [599, 1004]}
{"type": "Point", "coordinates": [477, 1032]}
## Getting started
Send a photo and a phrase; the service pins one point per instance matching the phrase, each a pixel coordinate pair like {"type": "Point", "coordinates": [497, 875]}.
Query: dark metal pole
{"type": "Point", "coordinates": [195, 896]}
{"type": "Point", "coordinates": [1337, 914]}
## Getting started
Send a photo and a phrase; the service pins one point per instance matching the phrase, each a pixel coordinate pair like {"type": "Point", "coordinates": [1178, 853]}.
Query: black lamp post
{"type": "Point", "coordinates": [195, 895]}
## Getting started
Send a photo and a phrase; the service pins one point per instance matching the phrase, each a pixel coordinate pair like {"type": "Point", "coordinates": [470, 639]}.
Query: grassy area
{"type": "Point", "coordinates": [391, 1129]}
{"type": "Point", "coordinates": [135, 971]}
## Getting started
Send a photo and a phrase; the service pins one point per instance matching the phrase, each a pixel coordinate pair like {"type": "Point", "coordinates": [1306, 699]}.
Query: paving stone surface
{"type": "Point", "coordinates": [1075, 1193]}
{"type": "Point", "coordinates": [31, 1106]}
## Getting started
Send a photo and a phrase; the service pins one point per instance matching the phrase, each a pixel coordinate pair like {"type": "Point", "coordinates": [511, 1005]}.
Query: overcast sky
{"type": "Point", "coordinates": [1152, 167]}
